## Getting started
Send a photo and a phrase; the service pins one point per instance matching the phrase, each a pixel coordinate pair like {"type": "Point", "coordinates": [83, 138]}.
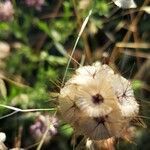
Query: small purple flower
{"type": "Point", "coordinates": [6, 11]}
{"type": "Point", "coordinates": [35, 3]}
{"type": "Point", "coordinates": [41, 124]}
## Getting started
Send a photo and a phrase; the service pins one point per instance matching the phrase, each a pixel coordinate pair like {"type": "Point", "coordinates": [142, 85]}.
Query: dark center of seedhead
{"type": "Point", "coordinates": [123, 94]}
{"type": "Point", "coordinates": [97, 99]}
{"type": "Point", "coordinates": [100, 120]}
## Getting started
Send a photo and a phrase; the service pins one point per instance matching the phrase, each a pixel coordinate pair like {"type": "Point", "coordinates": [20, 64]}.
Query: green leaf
{"type": "Point", "coordinates": [61, 49]}
{"type": "Point", "coordinates": [137, 84]}
{"type": "Point", "coordinates": [43, 26]}
{"type": "Point", "coordinates": [66, 130]}
{"type": "Point", "coordinates": [4, 26]}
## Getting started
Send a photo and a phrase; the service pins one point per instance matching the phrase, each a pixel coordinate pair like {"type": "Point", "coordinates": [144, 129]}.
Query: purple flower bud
{"type": "Point", "coordinates": [43, 123]}
{"type": "Point", "coordinates": [6, 11]}
{"type": "Point", "coordinates": [35, 3]}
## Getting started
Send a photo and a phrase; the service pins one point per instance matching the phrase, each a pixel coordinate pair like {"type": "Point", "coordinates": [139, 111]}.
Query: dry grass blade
{"type": "Point", "coordinates": [27, 110]}
{"type": "Point", "coordinates": [8, 115]}
{"type": "Point", "coordinates": [42, 140]}
{"type": "Point", "coordinates": [146, 9]}
{"type": "Point", "coordinates": [75, 45]}
{"type": "Point", "coordinates": [132, 45]}
{"type": "Point", "coordinates": [136, 54]}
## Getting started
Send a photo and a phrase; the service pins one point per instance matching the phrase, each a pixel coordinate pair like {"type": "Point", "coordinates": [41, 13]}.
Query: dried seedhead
{"type": "Point", "coordinates": [98, 103]}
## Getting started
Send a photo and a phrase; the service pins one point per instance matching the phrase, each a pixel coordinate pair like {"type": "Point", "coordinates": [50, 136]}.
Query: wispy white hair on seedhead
{"type": "Point", "coordinates": [124, 92]}
{"type": "Point", "coordinates": [126, 4]}
{"type": "Point", "coordinates": [89, 70]}
{"type": "Point", "coordinates": [92, 84]}
{"type": "Point", "coordinates": [86, 73]}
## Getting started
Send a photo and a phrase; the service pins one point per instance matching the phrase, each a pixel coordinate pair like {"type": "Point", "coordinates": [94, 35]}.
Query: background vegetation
{"type": "Point", "coordinates": [35, 40]}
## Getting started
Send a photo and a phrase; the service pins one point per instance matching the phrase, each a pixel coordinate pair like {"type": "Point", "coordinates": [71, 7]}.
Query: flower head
{"type": "Point", "coordinates": [6, 10]}
{"type": "Point", "coordinates": [2, 137]}
{"type": "Point", "coordinates": [43, 123]}
{"type": "Point", "coordinates": [125, 3]}
{"type": "Point", "coordinates": [93, 99]}
{"type": "Point", "coordinates": [35, 3]}
{"type": "Point", "coordinates": [95, 103]}
{"type": "Point", "coordinates": [124, 92]}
